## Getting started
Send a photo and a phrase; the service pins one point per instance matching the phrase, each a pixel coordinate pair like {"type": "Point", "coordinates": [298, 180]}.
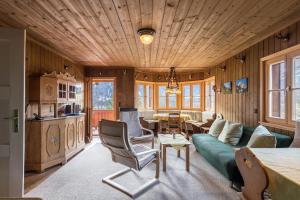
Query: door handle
{"type": "Point", "coordinates": [15, 119]}
{"type": "Point", "coordinates": [10, 118]}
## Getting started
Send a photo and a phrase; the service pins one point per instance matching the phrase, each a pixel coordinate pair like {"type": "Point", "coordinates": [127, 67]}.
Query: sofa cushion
{"type": "Point", "coordinates": [262, 138]}
{"type": "Point", "coordinates": [282, 141]}
{"type": "Point", "coordinates": [216, 127]}
{"type": "Point", "coordinates": [194, 115]}
{"type": "Point", "coordinates": [198, 116]}
{"type": "Point", "coordinates": [218, 154]}
{"type": "Point", "coordinates": [231, 133]}
{"type": "Point", "coordinates": [168, 111]}
{"type": "Point", "coordinates": [190, 113]}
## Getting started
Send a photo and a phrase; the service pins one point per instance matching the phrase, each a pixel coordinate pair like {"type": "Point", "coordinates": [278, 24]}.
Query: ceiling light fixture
{"type": "Point", "coordinates": [146, 35]}
{"type": "Point", "coordinates": [173, 85]}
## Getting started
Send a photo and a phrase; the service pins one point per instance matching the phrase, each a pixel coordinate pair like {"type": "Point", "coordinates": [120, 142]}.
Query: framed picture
{"type": "Point", "coordinates": [227, 87]}
{"type": "Point", "coordinates": [241, 85]}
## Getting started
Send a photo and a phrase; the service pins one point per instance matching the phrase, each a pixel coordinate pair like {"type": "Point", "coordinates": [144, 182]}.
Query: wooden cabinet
{"type": "Point", "coordinates": [43, 89]}
{"type": "Point", "coordinates": [51, 142]}
{"type": "Point", "coordinates": [52, 88]}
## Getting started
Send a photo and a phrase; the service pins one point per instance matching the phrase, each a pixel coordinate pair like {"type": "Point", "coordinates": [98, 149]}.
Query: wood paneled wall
{"type": "Point", "coordinates": [161, 76]}
{"type": "Point", "coordinates": [41, 59]}
{"type": "Point", "coordinates": [124, 82]}
{"type": "Point", "coordinates": [244, 108]}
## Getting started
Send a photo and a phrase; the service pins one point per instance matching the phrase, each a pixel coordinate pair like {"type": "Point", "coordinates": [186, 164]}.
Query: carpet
{"type": "Point", "coordinates": [80, 179]}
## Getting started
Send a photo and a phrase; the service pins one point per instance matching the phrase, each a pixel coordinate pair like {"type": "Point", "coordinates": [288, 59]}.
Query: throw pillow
{"type": "Point", "coordinates": [231, 133]}
{"type": "Point", "coordinates": [216, 127]}
{"type": "Point", "coordinates": [262, 138]}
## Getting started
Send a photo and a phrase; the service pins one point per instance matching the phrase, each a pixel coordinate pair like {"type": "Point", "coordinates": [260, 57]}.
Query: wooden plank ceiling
{"type": "Point", "coordinates": [189, 33]}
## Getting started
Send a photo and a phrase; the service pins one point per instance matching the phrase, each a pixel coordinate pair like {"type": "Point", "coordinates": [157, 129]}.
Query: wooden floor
{"type": "Point", "coordinates": [32, 179]}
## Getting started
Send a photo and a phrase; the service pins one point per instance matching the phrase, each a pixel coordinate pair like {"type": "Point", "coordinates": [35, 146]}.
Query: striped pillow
{"type": "Point", "coordinates": [231, 133]}
{"type": "Point", "coordinates": [216, 127]}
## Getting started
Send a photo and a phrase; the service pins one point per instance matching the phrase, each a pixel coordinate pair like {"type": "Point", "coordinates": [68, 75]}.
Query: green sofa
{"type": "Point", "coordinates": [222, 156]}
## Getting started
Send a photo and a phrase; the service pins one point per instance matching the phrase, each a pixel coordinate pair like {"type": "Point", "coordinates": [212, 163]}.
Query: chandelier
{"type": "Point", "coordinates": [173, 85]}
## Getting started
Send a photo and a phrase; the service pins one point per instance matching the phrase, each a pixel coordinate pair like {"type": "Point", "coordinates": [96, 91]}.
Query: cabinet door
{"type": "Point", "coordinates": [70, 135]}
{"type": "Point", "coordinates": [52, 140]}
{"type": "Point", "coordinates": [48, 89]}
{"type": "Point", "coordinates": [80, 131]}
{"type": "Point", "coordinates": [62, 91]}
{"type": "Point", "coordinates": [71, 92]}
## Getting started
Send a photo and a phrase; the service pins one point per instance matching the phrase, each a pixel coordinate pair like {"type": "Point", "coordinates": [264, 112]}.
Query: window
{"type": "Point", "coordinates": [186, 93]}
{"type": "Point", "coordinates": [191, 98]}
{"type": "Point", "coordinates": [276, 89]}
{"type": "Point", "coordinates": [162, 97]}
{"type": "Point", "coordinates": [103, 95]}
{"type": "Point", "coordinates": [210, 95]}
{"type": "Point", "coordinates": [172, 101]}
{"type": "Point", "coordinates": [281, 86]}
{"type": "Point", "coordinates": [296, 88]}
{"type": "Point", "coordinates": [144, 97]}
{"type": "Point", "coordinates": [196, 96]}
{"type": "Point", "coordinates": [166, 101]}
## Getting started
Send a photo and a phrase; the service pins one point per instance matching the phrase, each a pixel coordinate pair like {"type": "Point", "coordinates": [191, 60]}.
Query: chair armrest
{"type": "Point", "coordinates": [145, 130]}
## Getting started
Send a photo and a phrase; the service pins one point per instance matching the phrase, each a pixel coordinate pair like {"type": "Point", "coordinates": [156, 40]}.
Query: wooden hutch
{"type": "Point", "coordinates": [52, 140]}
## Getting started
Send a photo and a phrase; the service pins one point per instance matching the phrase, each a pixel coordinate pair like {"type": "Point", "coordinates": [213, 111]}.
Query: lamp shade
{"type": "Point", "coordinates": [146, 38]}
{"type": "Point", "coordinates": [146, 35]}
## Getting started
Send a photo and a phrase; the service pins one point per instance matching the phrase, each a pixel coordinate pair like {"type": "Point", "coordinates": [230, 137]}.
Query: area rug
{"type": "Point", "coordinates": [80, 179]}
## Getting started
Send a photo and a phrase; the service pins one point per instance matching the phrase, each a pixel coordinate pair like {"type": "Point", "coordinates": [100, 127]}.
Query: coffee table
{"type": "Point", "coordinates": [166, 140]}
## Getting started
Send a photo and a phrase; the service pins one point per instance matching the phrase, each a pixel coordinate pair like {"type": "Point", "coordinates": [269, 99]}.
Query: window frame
{"type": "Point", "coordinates": [145, 98]}
{"type": "Point", "coordinates": [191, 95]}
{"type": "Point", "coordinates": [267, 90]}
{"type": "Point", "coordinates": [178, 103]}
{"type": "Point", "coordinates": [290, 78]}
{"type": "Point", "coordinates": [210, 81]}
{"type": "Point", "coordinates": [288, 123]}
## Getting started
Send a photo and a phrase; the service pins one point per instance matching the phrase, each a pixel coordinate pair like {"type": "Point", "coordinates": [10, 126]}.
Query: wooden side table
{"type": "Point", "coordinates": [179, 142]}
{"type": "Point", "coordinates": [187, 156]}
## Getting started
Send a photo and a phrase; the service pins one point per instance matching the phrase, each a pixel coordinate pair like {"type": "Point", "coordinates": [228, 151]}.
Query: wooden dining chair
{"type": "Point", "coordinates": [254, 175]}
{"type": "Point", "coordinates": [163, 126]}
{"type": "Point", "coordinates": [174, 123]}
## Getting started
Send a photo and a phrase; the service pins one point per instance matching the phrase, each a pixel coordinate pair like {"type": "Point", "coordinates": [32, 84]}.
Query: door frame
{"type": "Point", "coordinates": [104, 79]}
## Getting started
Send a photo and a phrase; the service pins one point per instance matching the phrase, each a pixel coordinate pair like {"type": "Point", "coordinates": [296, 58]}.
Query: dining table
{"type": "Point", "coordinates": [282, 166]}
{"type": "Point", "coordinates": [165, 116]}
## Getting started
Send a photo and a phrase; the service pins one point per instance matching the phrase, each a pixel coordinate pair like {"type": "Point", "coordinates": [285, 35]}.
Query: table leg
{"type": "Point", "coordinates": [160, 153]}
{"type": "Point", "coordinates": [178, 153]}
{"type": "Point", "coordinates": [164, 157]}
{"type": "Point", "coordinates": [187, 157]}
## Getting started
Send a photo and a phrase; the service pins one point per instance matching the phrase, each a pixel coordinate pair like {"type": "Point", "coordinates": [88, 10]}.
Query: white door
{"type": "Point", "coordinates": [12, 100]}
